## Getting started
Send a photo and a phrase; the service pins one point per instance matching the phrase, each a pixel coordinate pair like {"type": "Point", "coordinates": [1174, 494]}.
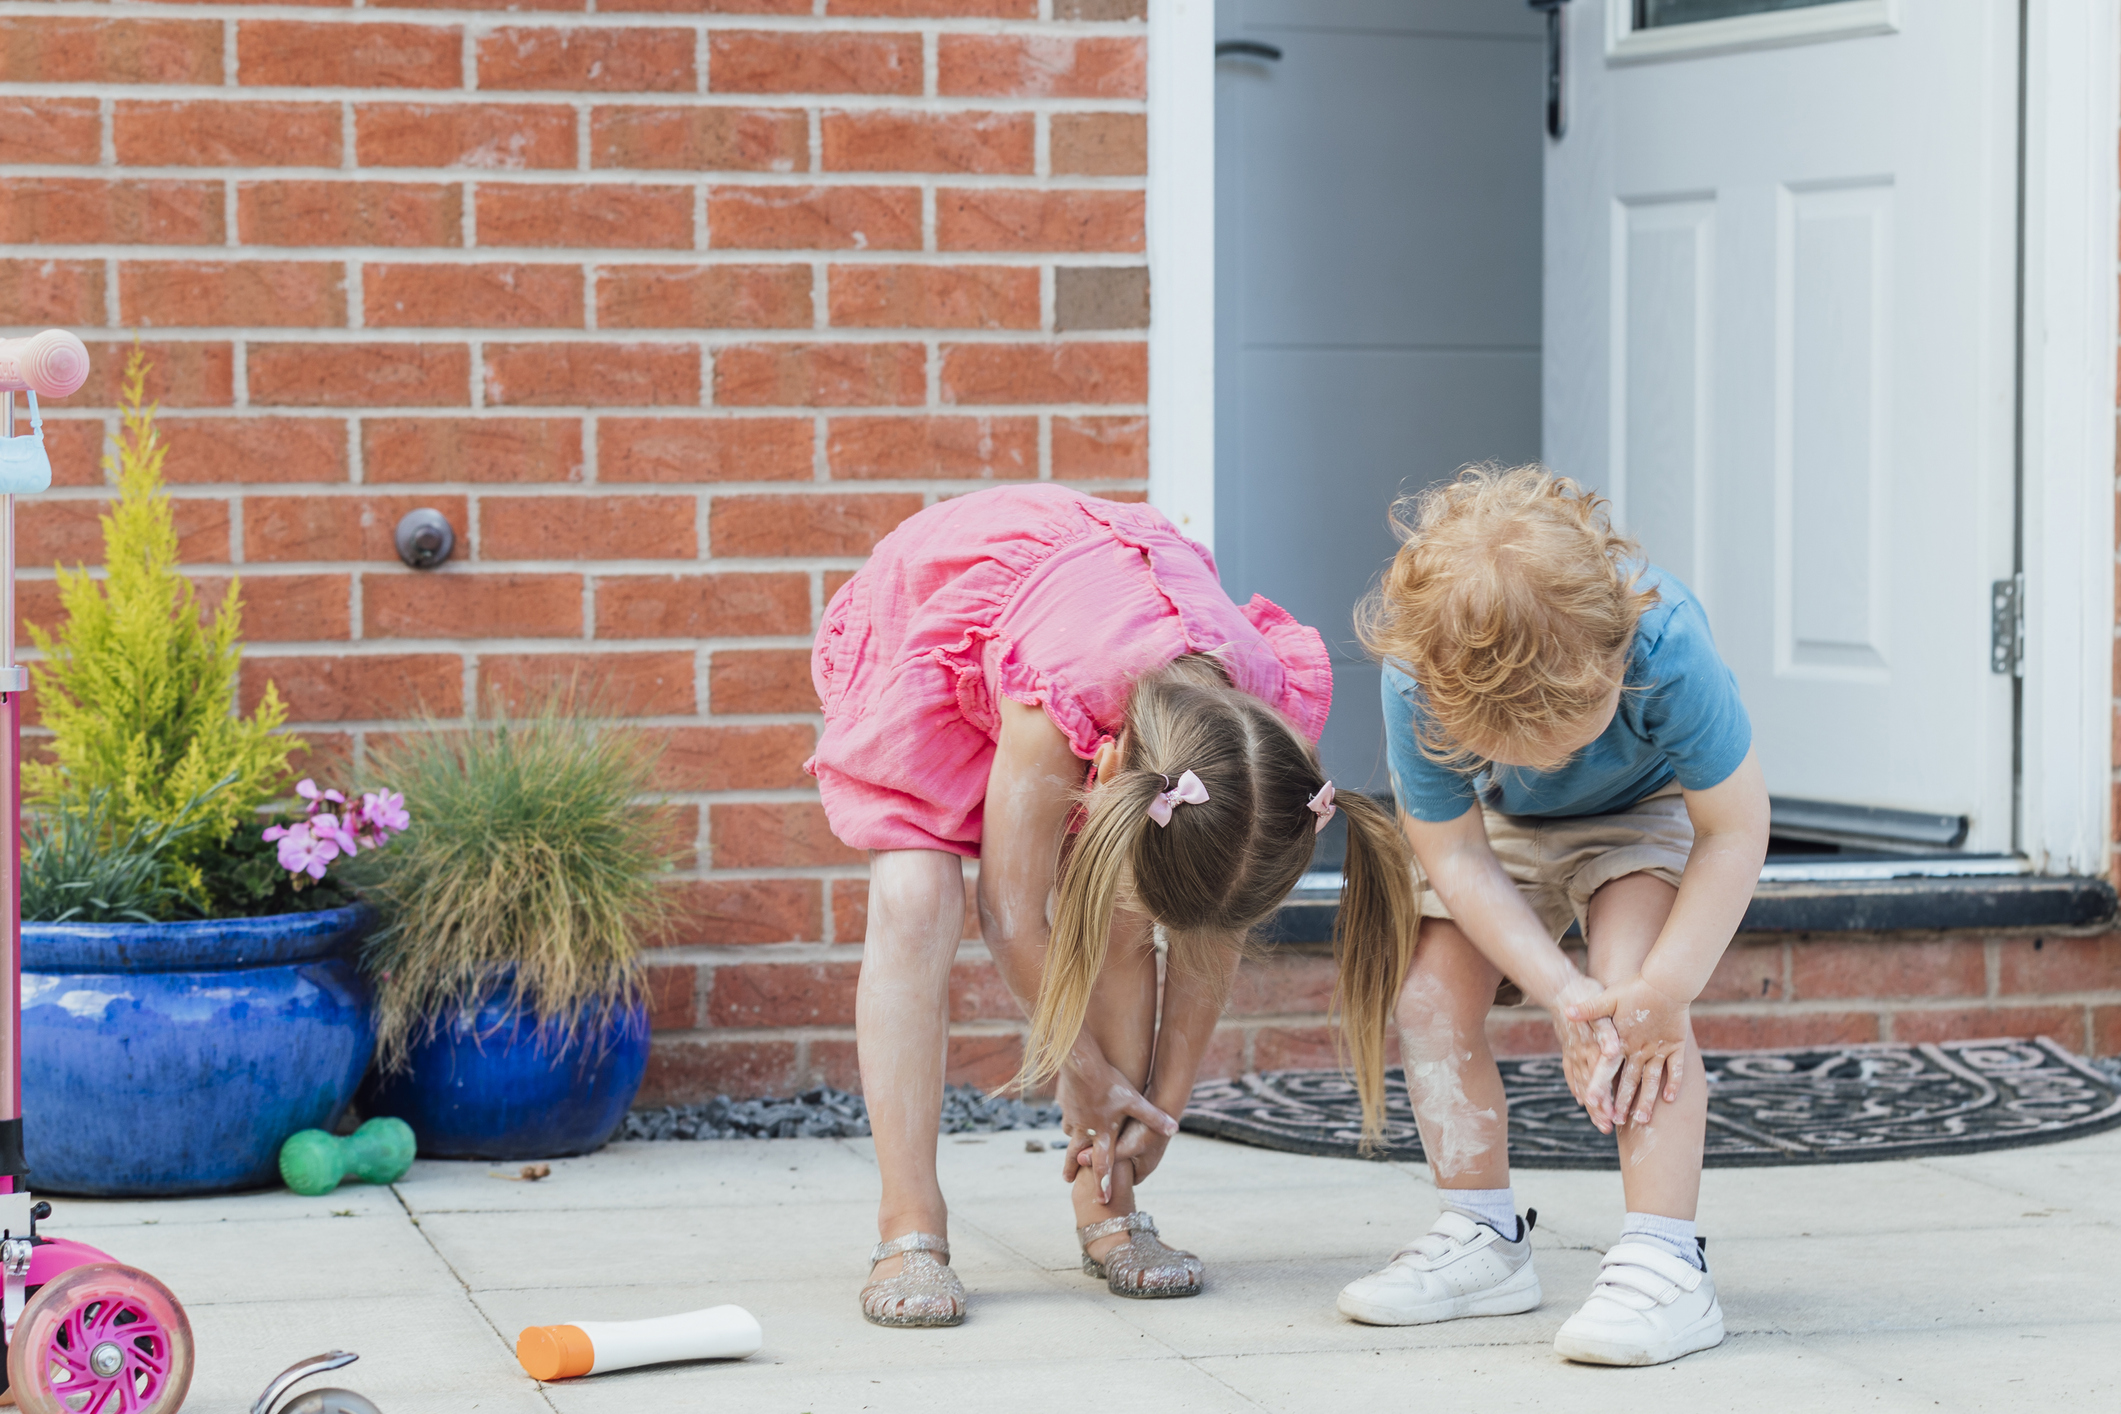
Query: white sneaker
{"type": "Point", "coordinates": [1646, 1308]}
{"type": "Point", "coordinates": [1457, 1268]}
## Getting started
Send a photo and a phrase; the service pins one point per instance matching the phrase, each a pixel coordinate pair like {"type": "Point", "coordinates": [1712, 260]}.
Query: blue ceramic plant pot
{"type": "Point", "coordinates": [494, 1084]}
{"type": "Point", "coordinates": [171, 1058]}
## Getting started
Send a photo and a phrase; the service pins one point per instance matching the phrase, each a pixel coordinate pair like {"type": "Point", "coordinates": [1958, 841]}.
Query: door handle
{"type": "Point", "coordinates": [1557, 119]}
{"type": "Point", "coordinates": [1251, 48]}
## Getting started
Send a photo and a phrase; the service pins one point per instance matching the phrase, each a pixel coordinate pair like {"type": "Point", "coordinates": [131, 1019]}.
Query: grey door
{"type": "Point", "coordinates": [1378, 268]}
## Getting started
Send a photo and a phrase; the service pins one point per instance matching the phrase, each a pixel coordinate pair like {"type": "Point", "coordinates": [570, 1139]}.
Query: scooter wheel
{"type": "Point", "coordinates": [97, 1338]}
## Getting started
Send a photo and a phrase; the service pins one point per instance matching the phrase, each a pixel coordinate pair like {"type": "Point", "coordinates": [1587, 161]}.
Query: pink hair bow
{"type": "Point", "coordinates": [1322, 806]}
{"type": "Point", "coordinates": [1188, 791]}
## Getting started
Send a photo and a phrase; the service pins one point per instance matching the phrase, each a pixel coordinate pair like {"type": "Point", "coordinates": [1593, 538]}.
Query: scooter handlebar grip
{"type": "Point", "coordinates": [52, 364]}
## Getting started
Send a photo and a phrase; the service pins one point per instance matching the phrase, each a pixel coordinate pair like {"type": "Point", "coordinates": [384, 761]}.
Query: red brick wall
{"type": "Point", "coordinates": [673, 308]}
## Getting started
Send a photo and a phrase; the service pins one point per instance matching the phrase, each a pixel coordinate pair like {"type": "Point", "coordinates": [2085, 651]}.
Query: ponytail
{"type": "Point", "coordinates": [1373, 943]}
{"type": "Point", "coordinates": [1221, 864]}
{"type": "Point", "coordinates": [1086, 894]}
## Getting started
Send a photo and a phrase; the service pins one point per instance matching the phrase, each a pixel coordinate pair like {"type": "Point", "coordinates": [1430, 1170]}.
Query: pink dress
{"type": "Point", "coordinates": [1035, 593]}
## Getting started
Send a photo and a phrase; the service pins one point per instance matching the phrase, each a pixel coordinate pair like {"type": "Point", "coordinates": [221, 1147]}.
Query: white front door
{"type": "Point", "coordinates": [1780, 333]}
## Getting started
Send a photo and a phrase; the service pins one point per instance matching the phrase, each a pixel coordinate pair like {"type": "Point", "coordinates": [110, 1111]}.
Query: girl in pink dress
{"type": "Point", "coordinates": [991, 646]}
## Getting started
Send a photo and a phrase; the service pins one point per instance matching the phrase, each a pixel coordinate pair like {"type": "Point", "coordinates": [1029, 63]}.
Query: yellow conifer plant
{"type": "Point", "coordinates": [138, 689]}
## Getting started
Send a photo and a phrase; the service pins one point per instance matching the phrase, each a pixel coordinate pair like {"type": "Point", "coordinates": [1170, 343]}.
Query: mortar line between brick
{"type": "Point", "coordinates": [483, 97]}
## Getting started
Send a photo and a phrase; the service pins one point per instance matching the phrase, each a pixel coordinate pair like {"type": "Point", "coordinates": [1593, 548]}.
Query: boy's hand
{"type": "Point", "coordinates": [1590, 1052]}
{"type": "Point", "coordinates": [1652, 1027]}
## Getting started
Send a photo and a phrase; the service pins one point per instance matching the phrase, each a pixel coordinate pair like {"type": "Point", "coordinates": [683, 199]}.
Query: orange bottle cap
{"type": "Point", "coordinates": [555, 1352]}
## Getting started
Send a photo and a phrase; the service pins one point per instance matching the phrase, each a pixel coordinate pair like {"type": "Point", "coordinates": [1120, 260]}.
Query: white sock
{"type": "Point", "coordinates": [1674, 1235]}
{"type": "Point", "coordinates": [1497, 1207]}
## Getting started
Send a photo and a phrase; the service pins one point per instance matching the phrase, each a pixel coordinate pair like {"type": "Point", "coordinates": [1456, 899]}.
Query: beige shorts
{"type": "Point", "coordinates": [1558, 864]}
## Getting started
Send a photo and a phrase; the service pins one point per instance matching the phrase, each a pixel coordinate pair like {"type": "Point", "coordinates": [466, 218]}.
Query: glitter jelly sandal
{"type": "Point", "coordinates": [924, 1293]}
{"type": "Point", "coordinates": [1141, 1267]}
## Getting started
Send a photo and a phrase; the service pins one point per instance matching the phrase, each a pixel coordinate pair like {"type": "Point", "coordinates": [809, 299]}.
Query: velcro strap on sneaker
{"type": "Point", "coordinates": [1453, 1236]}
{"type": "Point", "coordinates": [1650, 1270]}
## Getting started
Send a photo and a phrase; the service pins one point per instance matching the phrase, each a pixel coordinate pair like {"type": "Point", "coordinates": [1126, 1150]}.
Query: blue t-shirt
{"type": "Point", "coordinates": [1679, 716]}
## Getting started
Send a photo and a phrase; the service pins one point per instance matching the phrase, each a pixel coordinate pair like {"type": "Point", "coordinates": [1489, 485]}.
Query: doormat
{"type": "Point", "coordinates": [1817, 1105]}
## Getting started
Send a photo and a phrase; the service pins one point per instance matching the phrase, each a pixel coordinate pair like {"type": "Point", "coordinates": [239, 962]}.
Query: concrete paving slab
{"type": "Point", "coordinates": [1120, 1384]}
{"type": "Point", "coordinates": [2031, 1368]}
{"type": "Point", "coordinates": [290, 1259]}
{"type": "Point", "coordinates": [1955, 1279]}
{"type": "Point", "coordinates": [259, 1205]}
{"type": "Point", "coordinates": [725, 1242]}
{"type": "Point", "coordinates": [658, 1175]}
{"type": "Point", "coordinates": [424, 1350]}
{"type": "Point", "coordinates": [2081, 1178]}
{"type": "Point", "coordinates": [1742, 1376]}
{"type": "Point", "coordinates": [813, 1322]}
{"type": "Point", "coordinates": [1896, 1286]}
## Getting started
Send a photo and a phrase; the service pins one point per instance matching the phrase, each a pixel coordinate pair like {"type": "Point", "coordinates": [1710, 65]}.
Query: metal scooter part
{"type": "Point", "coordinates": [316, 1401]}
{"type": "Point", "coordinates": [331, 1401]}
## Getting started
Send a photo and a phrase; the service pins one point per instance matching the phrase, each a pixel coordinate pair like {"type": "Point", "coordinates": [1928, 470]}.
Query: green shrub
{"type": "Point", "coordinates": [140, 691]}
{"type": "Point", "coordinates": [77, 868]}
{"type": "Point", "coordinates": [528, 857]}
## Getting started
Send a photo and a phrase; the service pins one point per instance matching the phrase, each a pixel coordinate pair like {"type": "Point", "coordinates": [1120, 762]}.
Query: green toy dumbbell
{"type": "Point", "coordinates": [313, 1162]}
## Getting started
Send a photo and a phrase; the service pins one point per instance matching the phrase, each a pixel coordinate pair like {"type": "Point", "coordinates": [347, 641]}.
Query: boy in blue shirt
{"type": "Point", "coordinates": [1565, 745]}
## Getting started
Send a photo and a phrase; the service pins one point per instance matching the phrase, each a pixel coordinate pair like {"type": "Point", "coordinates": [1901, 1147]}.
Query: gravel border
{"type": "Point", "coordinates": [826, 1113]}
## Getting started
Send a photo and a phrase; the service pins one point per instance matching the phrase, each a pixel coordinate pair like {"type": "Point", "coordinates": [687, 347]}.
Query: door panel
{"type": "Point", "coordinates": [1780, 314]}
{"type": "Point", "coordinates": [1666, 250]}
{"type": "Point", "coordinates": [1377, 295]}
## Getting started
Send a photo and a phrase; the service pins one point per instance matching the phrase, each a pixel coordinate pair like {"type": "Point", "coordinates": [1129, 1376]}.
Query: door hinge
{"type": "Point", "coordinates": [2006, 626]}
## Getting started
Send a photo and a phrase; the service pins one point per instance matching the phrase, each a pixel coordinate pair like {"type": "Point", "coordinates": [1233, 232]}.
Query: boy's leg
{"type": "Point", "coordinates": [1660, 1162]}
{"type": "Point", "coordinates": [1452, 1079]}
{"type": "Point", "coordinates": [1461, 1266]}
{"type": "Point", "coordinates": [1653, 1301]}
{"type": "Point", "coordinates": [901, 1027]}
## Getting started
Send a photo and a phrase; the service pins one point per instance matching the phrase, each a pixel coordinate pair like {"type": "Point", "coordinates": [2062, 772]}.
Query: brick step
{"type": "Point", "coordinates": [746, 1021]}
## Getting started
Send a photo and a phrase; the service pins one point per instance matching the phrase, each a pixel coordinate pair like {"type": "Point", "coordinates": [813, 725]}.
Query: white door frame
{"type": "Point", "coordinates": [2073, 121]}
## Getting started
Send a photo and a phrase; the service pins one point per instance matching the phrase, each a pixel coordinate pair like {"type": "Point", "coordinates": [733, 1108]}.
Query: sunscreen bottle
{"type": "Point", "coordinates": [593, 1347]}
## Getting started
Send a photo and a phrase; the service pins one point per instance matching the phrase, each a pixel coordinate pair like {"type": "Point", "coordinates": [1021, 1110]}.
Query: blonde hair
{"type": "Point", "coordinates": [1219, 868]}
{"type": "Point", "coordinates": [1511, 602]}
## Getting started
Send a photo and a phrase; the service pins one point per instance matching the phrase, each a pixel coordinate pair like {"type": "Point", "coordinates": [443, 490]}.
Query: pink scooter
{"type": "Point", "coordinates": [85, 1333]}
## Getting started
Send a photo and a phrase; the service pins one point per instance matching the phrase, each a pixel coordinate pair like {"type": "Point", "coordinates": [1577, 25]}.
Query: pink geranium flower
{"type": "Point", "coordinates": [385, 812]}
{"type": "Point", "coordinates": [302, 852]}
{"type": "Point", "coordinates": [310, 845]}
{"type": "Point", "coordinates": [307, 789]}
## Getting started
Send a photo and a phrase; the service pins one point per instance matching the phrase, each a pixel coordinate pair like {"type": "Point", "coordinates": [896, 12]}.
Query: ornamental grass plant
{"type": "Point", "coordinates": [532, 868]}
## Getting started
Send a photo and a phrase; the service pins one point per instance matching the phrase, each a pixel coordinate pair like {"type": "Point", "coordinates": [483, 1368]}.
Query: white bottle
{"type": "Point", "coordinates": [593, 1347]}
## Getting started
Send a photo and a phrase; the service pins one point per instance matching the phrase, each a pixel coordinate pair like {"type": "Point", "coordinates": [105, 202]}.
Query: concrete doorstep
{"type": "Point", "coordinates": [1990, 1282]}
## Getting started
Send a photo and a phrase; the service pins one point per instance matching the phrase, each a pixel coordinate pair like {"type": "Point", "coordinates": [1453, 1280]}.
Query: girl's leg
{"type": "Point", "coordinates": [1660, 1162]}
{"type": "Point", "coordinates": [1452, 1079]}
{"type": "Point", "coordinates": [1122, 1020]}
{"type": "Point", "coordinates": [901, 1027]}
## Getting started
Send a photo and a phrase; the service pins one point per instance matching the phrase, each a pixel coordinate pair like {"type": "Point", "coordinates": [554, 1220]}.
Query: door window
{"type": "Point", "coordinates": [1656, 14]}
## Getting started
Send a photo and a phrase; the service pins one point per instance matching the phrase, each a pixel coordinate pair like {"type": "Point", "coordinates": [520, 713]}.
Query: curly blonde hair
{"type": "Point", "coordinates": [1512, 602]}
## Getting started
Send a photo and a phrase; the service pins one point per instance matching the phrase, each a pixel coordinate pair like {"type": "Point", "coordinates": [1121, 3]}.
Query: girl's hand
{"type": "Point", "coordinates": [1143, 1146]}
{"type": "Point", "coordinates": [1591, 1051]}
{"type": "Point", "coordinates": [1096, 1103]}
{"type": "Point", "coordinates": [1652, 1026]}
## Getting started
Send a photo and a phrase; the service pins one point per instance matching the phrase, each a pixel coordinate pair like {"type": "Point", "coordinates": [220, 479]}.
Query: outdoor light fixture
{"type": "Point", "coordinates": [425, 538]}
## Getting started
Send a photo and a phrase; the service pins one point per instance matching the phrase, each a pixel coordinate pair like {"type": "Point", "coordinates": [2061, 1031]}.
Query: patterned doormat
{"type": "Point", "coordinates": [1816, 1106]}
